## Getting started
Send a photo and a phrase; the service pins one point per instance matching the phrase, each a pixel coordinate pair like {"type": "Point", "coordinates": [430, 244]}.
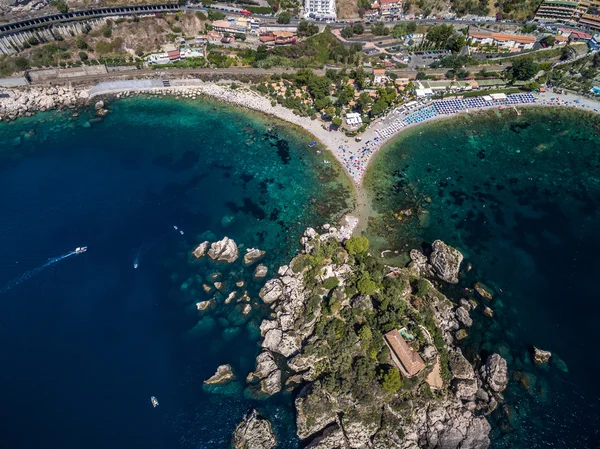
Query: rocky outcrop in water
{"type": "Point", "coordinates": [224, 250]}
{"type": "Point", "coordinates": [223, 375]}
{"type": "Point", "coordinates": [261, 271]}
{"type": "Point", "coordinates": [267, 373]}
{"type": "Point", "coordinates": [200, 250]}
{"type": "Point", "coordinates": [495, 373]}
{"type": "Point", "coordinates": [253, 255]}
{"type": "Point", "coordinates": [254, 432]}
{"type": "Point", "coordinates": [541, 357]}
{"type": "Point", "coordinates": [446, 261]}
{"type": "Point", "coordinates": [443, 263]}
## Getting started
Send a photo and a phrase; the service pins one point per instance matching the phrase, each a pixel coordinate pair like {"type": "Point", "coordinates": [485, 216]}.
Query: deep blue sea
{"type": "Point", "coordinates": [87, 340]}
{"type": "Point", "coordinates": [520, 197]}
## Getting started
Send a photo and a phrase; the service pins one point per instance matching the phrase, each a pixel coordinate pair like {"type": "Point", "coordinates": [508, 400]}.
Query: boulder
{"type": "Point", "coordinates": [261, 271]}
{"type": "Point", "coordinates": [223, 376]}
{"type": "Point", "coordinates": [462, 314]}
{"type": "Point", "coordinates": [99, 105]}
{"type": "Point", "coordinates": [541, 357]}
{"type": "Point", "coordinates": [254, 432]}
{"type": "Point", "coordinates": [271, 291]}
{"type": "Point", "coordinates": [488, 312]}
{"type": "Point", "coordinates": [200, 250]}
{"type": "Point", "coordinates": [272, 383]}
{"type": "Point", "coordinates": [465, 389]}
{"type": "Point", "coordinates": [495, 373]}
{"type": "Point", "coordinates": [224, 250]}
{"type": "Point", "coordinates": [446, 261]}
{"type": "Point", "coordinates": [203, 305]}
{"type": "Point", "coordinates": [252, 256]}
{"type": "Point", "coordinates": [461, 334]}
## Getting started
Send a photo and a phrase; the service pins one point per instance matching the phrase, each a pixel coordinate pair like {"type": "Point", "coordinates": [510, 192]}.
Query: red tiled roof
{"type": "Point", "coordinates": [410, 361]}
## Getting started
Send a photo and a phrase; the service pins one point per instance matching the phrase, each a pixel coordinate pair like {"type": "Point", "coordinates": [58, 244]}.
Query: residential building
{"type": "Point", "coordinates": [320, 9]}
{"type": "Point", "coordinates": [558, 11]}
{"type": "Point", "coordinates": [407, 360]}
{"type": "Point", "coordinates": [579, 36]}
{"type": "Point", "coordinates": [594, 42]}
{"type": "Point", "coordinates": [225, 26]}
{"type": "Point", "coordinates": [390, 8]}
{"type": "Point", "coordinates": [372, 14]}
{"type": "Point", "coordinates": [591, 21]}
{"type": "Point", "coordinates": [191, 52]}
{"type": "Point", "coordinates": [214, 37]}
{"type": "Point", "coordinates": [278, 38]}
{"type": "Point", "coordinates": [379, 76]}
{"type": "Point", "coordinates": [511, 42]}
{"type": "Point", "coordinates": [158, 59]}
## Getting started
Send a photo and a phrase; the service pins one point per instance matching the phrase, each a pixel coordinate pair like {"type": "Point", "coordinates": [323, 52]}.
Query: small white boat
{"type": "Point", "coordinates": [80, 249]}
{"type": "Point", "coordinates": [154, 402]}
{"type": "Point", "coordinates": [181, 232]}
{"type": "Point", "coordinates": [175, 227]}
{"type": "Point", "coordinates": [135, 265]}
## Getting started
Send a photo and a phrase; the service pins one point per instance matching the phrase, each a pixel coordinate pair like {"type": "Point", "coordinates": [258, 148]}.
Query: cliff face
{"type": "Point", "coordinates": [331, 308]}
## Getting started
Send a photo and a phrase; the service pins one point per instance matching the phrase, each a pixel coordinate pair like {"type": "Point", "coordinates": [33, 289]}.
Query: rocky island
{"type": "Point", "coordinates": [369, 350]}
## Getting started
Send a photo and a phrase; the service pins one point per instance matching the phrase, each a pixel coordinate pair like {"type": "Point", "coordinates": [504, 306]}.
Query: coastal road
{"type": "Point", "coordinates": [171, 72]}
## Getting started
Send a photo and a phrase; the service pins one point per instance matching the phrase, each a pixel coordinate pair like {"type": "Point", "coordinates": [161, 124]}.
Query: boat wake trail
{"type": "Point", "coordinates": [29, 274]}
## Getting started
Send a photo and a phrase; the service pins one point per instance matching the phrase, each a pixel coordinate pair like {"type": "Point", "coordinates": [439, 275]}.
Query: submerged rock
{"type": "Point", "coordinates": [224, 250]}
{"type": "Point", "coordinates": [223, 376]}
{"type": "Point", "coordinates": [483, 291]}
{"type": "Point", "coordinates": [446, 261]}
{"type": "Point", "coordinates": [200, 250]}
{"type": "Point", "coordinates": [541, 357]}
{"type": "Point", "coordinates": [203, 305]}
{"type": "Point", "coordinates": [254, 432]}
{"type": "Point", "coordinates": [253, 255]}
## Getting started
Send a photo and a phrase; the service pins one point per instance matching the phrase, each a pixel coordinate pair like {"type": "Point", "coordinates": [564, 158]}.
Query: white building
{"type": "Point", "coordinates": [158, 58]}
{"type": "Point", "coordinates": [353, 119]}
{"type": "Point", "coordinates": [320, 9]}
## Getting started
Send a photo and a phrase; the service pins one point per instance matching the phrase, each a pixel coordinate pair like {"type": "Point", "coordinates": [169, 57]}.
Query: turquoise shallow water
{"type": "Point", "coordinates": [520, 197]}
{"type": "Point", "coordinates": [88, 339]}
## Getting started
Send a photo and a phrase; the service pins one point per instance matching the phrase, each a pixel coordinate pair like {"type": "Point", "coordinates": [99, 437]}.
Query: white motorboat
{"type": "Point", "coordinates": [80, 249]}
{"type": "Point", "coordinates": [154, 401]}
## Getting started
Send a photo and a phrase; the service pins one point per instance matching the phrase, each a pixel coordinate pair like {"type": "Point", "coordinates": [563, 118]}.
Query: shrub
{"type": "Point", "coordinates": [107, 32]}
{"type": "Point", "coordinates": [331, 282]}
{"type": "Point", "coordinates": [357, 245]}
{"type": "Point", "coordinates": [83, 56]}
{"type": "Point", "coordinates": [201, 15]}
{"type": "Point", "coordinates": [81, 43]}
{"type": "Point", "coordinates": [285, 17]}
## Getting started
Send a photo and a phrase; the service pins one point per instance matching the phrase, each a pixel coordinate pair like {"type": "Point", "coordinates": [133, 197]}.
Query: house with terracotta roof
{"type": "Point", "coordinates": [511, 42]}
{"type": "Point", "coordinates": [379, 76]}
{"type": "Point", "coordinates": [406, 359]}
{"type": "Point", "coordinates": [579, 36]}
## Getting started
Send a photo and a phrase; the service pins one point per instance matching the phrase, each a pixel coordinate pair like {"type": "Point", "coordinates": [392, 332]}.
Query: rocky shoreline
{"type": "Point", "coordinates": [295, 353]}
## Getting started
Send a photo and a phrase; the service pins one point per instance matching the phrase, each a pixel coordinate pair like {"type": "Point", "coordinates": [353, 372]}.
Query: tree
{"type": "Point", "coordinates": [379, 106]}
{"type": "Point", "coordinates": [358, 28]}
{"type": "Point", "coordinates": [440, 34]}
{"type": "Point", "coordinates": [366, 286]}
{"type": "Point", "coordinates": [365, 333]}
{"type": "Point", "coordinates": [261, 53]}
{"type": "Point", "coordinates": [524, 69]}
{"type": "Point", "coordinates": [357, 245]}
{"type": "Point", "coordinates": [284, 17]}
{"type": "Point", "coordinates": [83, 56]}
{"type": "Point", "coordinates": [532, 85]}
{"type": "Point", "coordinates": [330, 283]}
{"type": "Point", "coordinates": [379, 29]}
{"type": "Point", "coordinates": [337, 121]}
{"type": "Point", "coordinates": [347, 32]}
{"type": "Point", "coordinates": [364, 100]}
{"type": "Point", "coordinates": [455, 43]}
{"type": "Point", "coordinates": [548, 41]}
{"type": "Point", "coordinates": [391, 380]}
{"type": "Point", "coordinates": [421, 75]}
{"type": "Point", "coordinates": [411, 27]}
